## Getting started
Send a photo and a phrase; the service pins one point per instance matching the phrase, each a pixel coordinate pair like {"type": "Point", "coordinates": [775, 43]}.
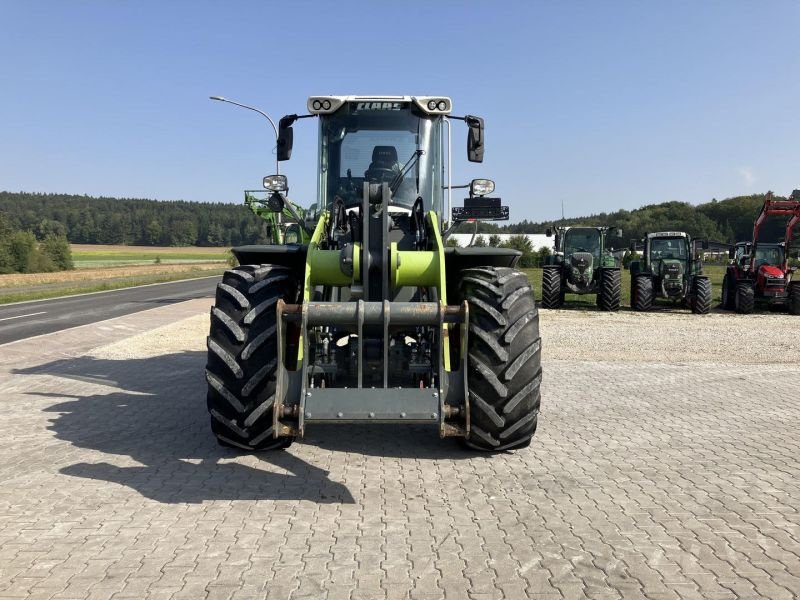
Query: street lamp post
{"type": "Point", "coordinates": [263, 114]}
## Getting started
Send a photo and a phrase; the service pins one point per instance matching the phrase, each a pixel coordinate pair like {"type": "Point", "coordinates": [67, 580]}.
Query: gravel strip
{"type": "Point", "coordinates": [669, 337]}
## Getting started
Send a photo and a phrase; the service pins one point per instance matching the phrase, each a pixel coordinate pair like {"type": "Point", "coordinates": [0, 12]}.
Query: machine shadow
{"type": "Point", "coordinates": [156, 415]}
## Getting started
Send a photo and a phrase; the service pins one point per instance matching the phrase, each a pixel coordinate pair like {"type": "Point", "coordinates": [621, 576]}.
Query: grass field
{"type": "Point", "coordinates": [715, 273]}
{"type": "Point", "coordinates": [99, 268]}
{"type": "Point", "coordinates": [88, 256]}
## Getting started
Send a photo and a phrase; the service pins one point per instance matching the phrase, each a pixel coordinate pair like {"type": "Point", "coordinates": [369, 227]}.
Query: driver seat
{"type": "Point", "coordinates": [384, 159]}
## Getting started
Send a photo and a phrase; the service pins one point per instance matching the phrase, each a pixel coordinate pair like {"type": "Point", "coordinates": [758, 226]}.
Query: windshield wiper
{"type": "Point", "coordinates": [398, 179]}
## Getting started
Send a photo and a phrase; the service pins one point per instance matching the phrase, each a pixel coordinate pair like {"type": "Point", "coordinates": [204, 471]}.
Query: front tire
{"type": "Point", "coordinates": [728, 298]}
{"type": "Point", "coordinates": [551, 287]}
{"type": "Point", "coordinates": [243, 355]}
{"type": "Point", "coordinates": [701, 295]}
{"type": "Point", "coordinates": [794, 298]}
{"type": "Point", "coordinates": [505, 371]}
{"type": "Point", "coordinates": [745, 298]}
{"type": "Point", "coordinates": [610, 290]}
{"type": "Point", "coordinates": [642, 296]}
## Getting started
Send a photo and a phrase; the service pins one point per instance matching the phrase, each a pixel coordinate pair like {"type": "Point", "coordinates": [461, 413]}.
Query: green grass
{"type": "Point", "coordinates": [93, 257]}
{"type": "Point", "coordinates": [72, 289]}
{"type": "Point", "coordinates": [715, 273]}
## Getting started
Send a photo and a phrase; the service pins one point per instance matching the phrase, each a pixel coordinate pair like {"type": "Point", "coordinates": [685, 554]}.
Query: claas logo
{"type": "Point", "coordinates": [379, 106]}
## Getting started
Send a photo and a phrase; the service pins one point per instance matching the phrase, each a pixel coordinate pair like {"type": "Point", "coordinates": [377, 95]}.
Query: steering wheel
{"type": "Point", "coordinates": [380, 175]}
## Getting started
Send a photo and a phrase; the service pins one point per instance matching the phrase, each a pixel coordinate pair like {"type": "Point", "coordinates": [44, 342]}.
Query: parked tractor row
{"type": "Point", "coordinates": [671, 267]}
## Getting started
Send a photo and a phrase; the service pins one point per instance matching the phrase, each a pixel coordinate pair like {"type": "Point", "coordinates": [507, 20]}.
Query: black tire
{"type": "Point", "coordinates": [505, 370]}
{"type": "Point", "coordinates": [610, 289]}
{"type": "Point", "coordinates": [728, 297]}
{"type": "Point", "coordinates": [745, 298]}
{"type": "Point", "coordinates": [242, 355]}
{"type": "Point", "coordinates": [701, 295]}
{"type": "Point", "coordinates": [551, 287]}
{"type": "Point", "coordinates": [642, 294]}
{"type": "Point", "coordinates": [794, 298]}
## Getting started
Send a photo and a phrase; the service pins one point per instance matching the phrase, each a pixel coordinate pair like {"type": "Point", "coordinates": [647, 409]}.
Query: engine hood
{"type": "Point", "coordinates": [770, 271]}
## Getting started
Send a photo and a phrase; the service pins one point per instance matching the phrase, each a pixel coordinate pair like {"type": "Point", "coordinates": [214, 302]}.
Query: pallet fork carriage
{"type": "Point", "coordinates": [371, 318]}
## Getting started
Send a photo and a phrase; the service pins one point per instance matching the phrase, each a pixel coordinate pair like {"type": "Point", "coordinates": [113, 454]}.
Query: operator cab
{"type": "Point", "coordinates": [396, 143]}
{"type": "Point", "coordinates": [768, 254]}
{"type": "Point", "coordinates": [669, 248]}
{"type": "Point", "coordinates": [582, 239]}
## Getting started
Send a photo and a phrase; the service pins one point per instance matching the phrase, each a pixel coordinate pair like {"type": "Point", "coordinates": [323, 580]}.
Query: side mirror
{"type": "Point", "coordinates": [704, 244]}
{"type": "Point", "coordinates": [731, 253]}
{"type": "Point", "coordinates": [548, 232]}
{"type": "Point", "coordinates": [632, 247]}
{"type": "Point", "coordinates": [285, 137]}
{"type": "Point", "coordinates": [475, 141]}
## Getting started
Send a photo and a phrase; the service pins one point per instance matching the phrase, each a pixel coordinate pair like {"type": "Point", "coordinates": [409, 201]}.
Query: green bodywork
{"type": "Point", "coordinates": [281, 228]}
{"type": "Point", "coordinates": [671, 260]}
{"type": "Point", "coordinates": [582, 252]}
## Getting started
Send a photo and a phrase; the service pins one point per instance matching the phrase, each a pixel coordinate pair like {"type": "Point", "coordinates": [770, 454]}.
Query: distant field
{"type": "Point", "coordinates": [113, 267]}
{"type": "Point", "coordinates": [89, 256]}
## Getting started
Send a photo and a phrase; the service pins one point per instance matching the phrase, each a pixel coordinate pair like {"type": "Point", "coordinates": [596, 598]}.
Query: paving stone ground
{"type": "Point", "coordinates": [647, 480]}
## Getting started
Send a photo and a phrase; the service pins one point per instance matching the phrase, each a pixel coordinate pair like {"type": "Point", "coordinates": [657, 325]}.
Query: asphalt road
{"type": "Point", "coordinates": [27, 319]}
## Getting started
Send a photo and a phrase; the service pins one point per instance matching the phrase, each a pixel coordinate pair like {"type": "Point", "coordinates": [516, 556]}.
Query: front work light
{"type": "Point", "coordinates": [481, 187]}
{"type": "Point", "coordinates": [279, 183]}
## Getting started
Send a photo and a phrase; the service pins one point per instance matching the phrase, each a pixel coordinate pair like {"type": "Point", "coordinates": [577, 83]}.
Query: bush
{"type": "Point", "coordinates": [629, 257]}
{"type": "Point", "coordinates": [523, 244]}
{"type": "Point", "coordinates": [56, 249]}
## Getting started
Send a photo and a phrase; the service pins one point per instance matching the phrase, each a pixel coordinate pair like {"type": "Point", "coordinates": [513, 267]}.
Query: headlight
{"type": "Point", "coordinates": [276, 183]}
{"type": "Point", "coordinates": [481, 187]}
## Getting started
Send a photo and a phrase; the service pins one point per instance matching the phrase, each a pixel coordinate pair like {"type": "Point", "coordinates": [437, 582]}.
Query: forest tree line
{"type": "Point", "coordinates": [130, 221]}
{"type": "Point", "coordinates": [89, 220]}
{"type": "Point", "coordinates": [727, 221]}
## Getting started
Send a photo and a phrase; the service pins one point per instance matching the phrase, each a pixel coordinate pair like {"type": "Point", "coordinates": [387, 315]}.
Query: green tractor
{"type": "Point", "coordinates": [582, 264]}
{"type": "Point", "coordinates": [369, 317]}
{"type": "Point", "coordinates": [671, 268]}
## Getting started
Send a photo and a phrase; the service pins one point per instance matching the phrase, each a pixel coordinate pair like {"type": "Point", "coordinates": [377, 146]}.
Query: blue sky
{"type": "Point", "coordinates": [603, 105]}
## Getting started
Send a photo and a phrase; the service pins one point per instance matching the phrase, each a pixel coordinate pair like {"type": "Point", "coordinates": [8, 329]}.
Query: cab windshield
{"type": "Point", "coordinates": [396, 146]}
{"type": "Point", "coordinates": [769, 255]}
{"type": "Point", "coordinates": [582, 240]}
{"type": "Point", "coordinates": [668, 248]}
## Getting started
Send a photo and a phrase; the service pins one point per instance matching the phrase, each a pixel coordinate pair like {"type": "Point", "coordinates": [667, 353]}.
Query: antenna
{"type": "Point", "coordinates": [562, 209]}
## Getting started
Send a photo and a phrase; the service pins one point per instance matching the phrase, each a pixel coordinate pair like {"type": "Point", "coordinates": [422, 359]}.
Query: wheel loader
{"type": "Point", "coordinates": [369, 317]}
{"type": "Point", "coordinates": [582, 264]}
{"type": "Point", "coordinates": [670, 268]}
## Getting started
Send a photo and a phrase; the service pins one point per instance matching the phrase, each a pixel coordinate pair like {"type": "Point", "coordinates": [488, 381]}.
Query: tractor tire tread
{"type": "Point", "coordinates": [504, 387]}
{"type": "Point", "coordinates": [243, 353]}
{"type": "Point", "coordinates": [701, 295]}
{"type": "Point", "coordinates": [551, 287]}
{"type": "Point", "coordinates": [610, 289]}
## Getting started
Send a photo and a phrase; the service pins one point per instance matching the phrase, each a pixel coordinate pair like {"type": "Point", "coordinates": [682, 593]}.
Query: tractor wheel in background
{"type": "Point", "coordinates": [610, 289]}
{"type": "Point", "coordinates": [745, 298]}
{"type": "Point", "coordinates": [701, 295]}
{"type": "Point", "coordinates": [642, 294]}
{"type": "Point", "coordinates": [728, 299]}
{"type": "Point", "coordinates": [243, 355]}
{"type": "Point", "coordinates": [505, 371]}
{"type": "Point", "coordinates": [794, 298]}
{"type": "Point", "coordinates": [551, 287]}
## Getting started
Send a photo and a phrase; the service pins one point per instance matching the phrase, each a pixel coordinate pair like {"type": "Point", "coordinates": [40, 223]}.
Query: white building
{"type": "Point", "coordinates": [538, 240]}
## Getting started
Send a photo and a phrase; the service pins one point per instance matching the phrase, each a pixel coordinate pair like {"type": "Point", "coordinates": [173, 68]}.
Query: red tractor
{"type": "Point", "coordinates": [760, 271]}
